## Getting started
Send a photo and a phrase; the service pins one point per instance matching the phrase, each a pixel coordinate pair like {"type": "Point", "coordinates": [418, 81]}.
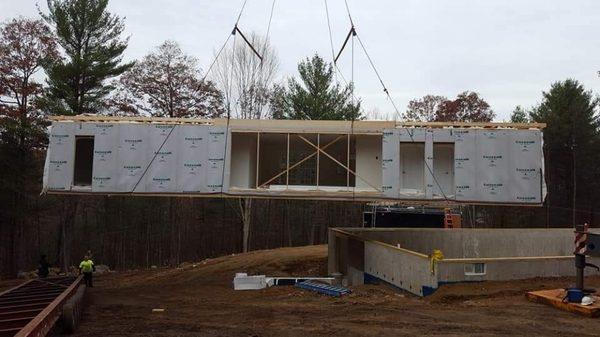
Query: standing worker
{"type": "Point", "coordinates": [87, 267]}
{"type": "Point", "coordinates": [43, 267]}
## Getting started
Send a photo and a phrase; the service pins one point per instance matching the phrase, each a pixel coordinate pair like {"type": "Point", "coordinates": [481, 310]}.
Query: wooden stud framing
{"type": "Point", "coordinates": [318, 158]}
{"type": "Point", "coordinates": [299, 162]}
{"type": "Point", "coordinates": [257, 156]}
{"type": "Point", "coordinates": [287, 165]}
{"type": "Point", "coordinates": [348, 164]}
{"type": "Point", "coordinates": [338, 162]}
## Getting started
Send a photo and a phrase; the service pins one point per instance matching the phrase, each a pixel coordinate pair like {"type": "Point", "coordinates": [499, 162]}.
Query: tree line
{"type": "Point", "coordinates": [69, 61]}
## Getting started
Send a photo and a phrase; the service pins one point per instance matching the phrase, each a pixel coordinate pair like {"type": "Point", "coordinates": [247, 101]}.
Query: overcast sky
{"type": "Point", "coordinates": [506, 50]}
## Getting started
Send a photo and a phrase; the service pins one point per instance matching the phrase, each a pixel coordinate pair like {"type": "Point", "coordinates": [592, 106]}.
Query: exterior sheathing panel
{"type": "Point", "coordinates": [493, 166]}
{"type": "Point", "coordinates": [490, 165]}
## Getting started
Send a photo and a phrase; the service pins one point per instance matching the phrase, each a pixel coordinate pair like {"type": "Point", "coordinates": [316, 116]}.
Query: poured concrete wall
{"type": "Point", "coordinates": [402, 269]}
{"type": "Point", "coordinates": [399, 256]}
{"type": "Point", "coordinates": [472, 243]}
{"type": "Point", "coordinates": [508, 270]}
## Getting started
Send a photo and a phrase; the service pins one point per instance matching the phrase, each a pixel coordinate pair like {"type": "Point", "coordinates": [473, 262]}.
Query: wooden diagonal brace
{"type": "Point", "coordinates": [338, 162]}
{"type": "Point", "coordinates": [299, 162]}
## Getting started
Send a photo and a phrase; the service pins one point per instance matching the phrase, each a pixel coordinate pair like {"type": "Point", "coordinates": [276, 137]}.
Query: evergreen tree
{"type": "Point", "coordinates": [91, 40]}
{"type": "Point", "coordinates": [519, 115]}
{"type": "Point", "coordinates": [570, 146]}
{"type": "Point", "coordinates": [316, 97]}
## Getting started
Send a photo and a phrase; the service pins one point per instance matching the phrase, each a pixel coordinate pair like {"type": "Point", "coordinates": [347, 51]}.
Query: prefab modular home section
{"type": "Point", "coordinates": [430, 162]}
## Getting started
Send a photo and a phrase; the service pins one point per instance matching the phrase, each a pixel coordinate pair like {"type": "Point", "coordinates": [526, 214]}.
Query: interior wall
{"type": "Point", "coordinates": [243, 163]}
{"type": "Point", "coordinates": [368, 160]}
{"type": "Point", "coordinates": [443, 169]}
{"type": "Point", "coordinates": [412, 167]}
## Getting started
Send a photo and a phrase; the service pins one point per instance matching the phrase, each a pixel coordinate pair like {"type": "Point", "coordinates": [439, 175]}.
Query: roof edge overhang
{"type": "Point", "coordinates": [296, 126]}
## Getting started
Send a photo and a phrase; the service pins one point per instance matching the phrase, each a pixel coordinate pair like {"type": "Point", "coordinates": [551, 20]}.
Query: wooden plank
{"type": "Point", "coordinates": [318, 157]}
{"type": "Point", "coordinates": [554, 297]}
{"type": "Point", "coordinates": [340, 232]}
{"type": "Point", "coordinates": [287, 164]}
{"type": "Point", "coordinates": [348, 164]}
{"type": "Point", "coordinates": [257, 157]}
{"type": "Point", "coordinates": [298, 126]}
{"type": "Point", "coordinates": [512, 259]}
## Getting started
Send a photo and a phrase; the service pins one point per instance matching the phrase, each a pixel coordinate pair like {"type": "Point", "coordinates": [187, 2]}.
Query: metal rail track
{"type": "Point", "coordinates": [32, 308]}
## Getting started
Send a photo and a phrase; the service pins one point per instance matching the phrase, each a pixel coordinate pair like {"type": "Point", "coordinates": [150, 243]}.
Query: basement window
{"type": "Point", "coordinates": [473, 269]}
{"type": "Point", "coordinates": [84, 159]}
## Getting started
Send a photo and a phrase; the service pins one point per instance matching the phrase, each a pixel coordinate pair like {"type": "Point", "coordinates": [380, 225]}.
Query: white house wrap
{"type": "Point", "coordinates": [461, 163]}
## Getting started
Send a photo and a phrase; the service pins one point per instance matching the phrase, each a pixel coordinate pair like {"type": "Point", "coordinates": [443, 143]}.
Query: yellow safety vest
{"type": "Point", "coordinates": [86, 266]}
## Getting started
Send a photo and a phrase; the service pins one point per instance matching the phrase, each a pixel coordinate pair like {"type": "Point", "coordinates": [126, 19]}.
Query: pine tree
{"type": "Point", "coordinates": [519, 115]}
{"type": "Point", "coordinates": [91, 40]}
{"type": "Point", "coordinates": [316, 97]}
{"type": "Point", "coordinates": [570, 145]}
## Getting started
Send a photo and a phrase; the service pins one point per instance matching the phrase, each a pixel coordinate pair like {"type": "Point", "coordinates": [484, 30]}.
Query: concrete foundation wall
{"type": "Point", "coordinates": [469, 255]}
{"type": "Point", "coordinates": [402, 269]}
{"type": "Point", "coordinates": [473, 243]}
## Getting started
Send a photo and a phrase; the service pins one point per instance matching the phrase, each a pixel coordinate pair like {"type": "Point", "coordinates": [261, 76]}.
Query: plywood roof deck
{"type": "Point", "coordinates": [297, 126]}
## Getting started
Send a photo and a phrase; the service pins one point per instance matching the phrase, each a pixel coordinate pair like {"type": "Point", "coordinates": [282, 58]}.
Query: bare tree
{"type": "Point", "coordinates": [245, 79]}
{"type": "Point", "coordinates": [167, 83]}
{"type": "Point", "coordinates": [25, 45]}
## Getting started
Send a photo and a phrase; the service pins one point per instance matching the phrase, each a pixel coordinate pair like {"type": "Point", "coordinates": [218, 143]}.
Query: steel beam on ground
{"type": "Point", "coordinates": [19, 313]}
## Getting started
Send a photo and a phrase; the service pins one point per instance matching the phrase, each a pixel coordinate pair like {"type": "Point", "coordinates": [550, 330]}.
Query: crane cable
{"type": "Point", "coordinates": [337, 69]}
{"type": "Point", "coordinates": [385, 90]}
{"type": "Point", "coordinates": [225, 43]}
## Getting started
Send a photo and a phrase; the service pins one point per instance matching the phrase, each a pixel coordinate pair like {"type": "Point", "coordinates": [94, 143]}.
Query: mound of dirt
{"type": "Point", "coordinates": [296, 261]}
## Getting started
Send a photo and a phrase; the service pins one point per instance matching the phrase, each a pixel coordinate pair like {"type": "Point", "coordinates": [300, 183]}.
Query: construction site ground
{"type": "Point", "coordinates": [199, 300]}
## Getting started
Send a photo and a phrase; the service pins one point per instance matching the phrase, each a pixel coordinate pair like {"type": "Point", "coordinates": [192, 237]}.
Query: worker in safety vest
{"type": "Point", "coordinates": [43, 267]}
{"type": "Point", "coordinates": [87, 267]}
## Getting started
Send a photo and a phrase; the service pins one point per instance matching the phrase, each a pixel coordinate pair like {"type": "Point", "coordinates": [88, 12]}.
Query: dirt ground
{"type": "Point", "coordinates": [199, 300]}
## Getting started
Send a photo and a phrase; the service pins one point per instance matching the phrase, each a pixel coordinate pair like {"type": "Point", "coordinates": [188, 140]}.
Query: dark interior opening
{"type": "Point", "coordinates": [84, 159]}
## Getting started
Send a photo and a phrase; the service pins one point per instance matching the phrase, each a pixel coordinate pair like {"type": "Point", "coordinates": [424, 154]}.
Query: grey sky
{"type": "Point", "coordinates": [507, 50]}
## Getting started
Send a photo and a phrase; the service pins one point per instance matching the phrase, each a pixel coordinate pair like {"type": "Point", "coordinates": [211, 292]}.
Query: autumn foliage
{"type": "Point", "coordinates": [166, 83]}
{"type": "Point", "coordinates": [466, 107]}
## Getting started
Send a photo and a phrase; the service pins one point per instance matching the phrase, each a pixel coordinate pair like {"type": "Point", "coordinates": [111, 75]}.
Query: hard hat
{"type": "Point", "coordinates": [587, 300]}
